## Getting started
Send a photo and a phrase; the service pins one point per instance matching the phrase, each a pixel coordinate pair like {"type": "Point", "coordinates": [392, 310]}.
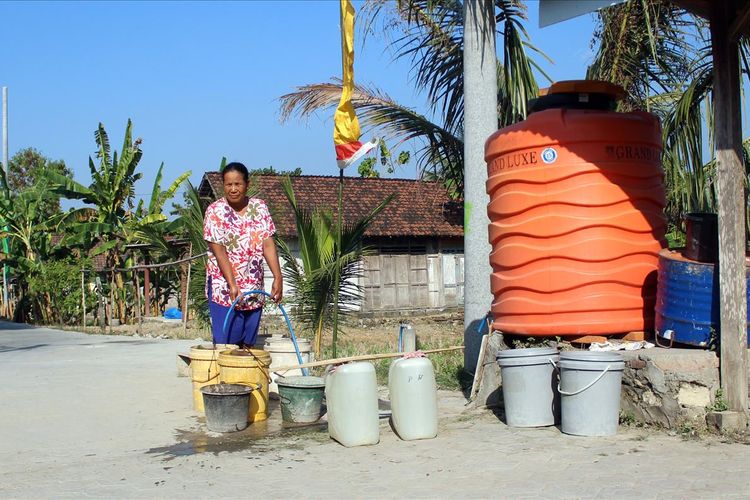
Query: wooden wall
{"type": "Point", "coordinates": [421, 275]}
{"type": "Point", "coordinates": [413, 276]}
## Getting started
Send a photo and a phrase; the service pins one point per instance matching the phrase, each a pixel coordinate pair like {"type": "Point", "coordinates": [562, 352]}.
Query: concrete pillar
{"type": "Point", "coordinates": [480, 120]}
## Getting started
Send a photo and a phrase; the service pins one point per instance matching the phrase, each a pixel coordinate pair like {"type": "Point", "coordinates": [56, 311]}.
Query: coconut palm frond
{"type": "Point", "coordinates": [516, 81]}
{"type": "Point", "coordinates": [642, 46]}
{"type": "Point", "coordinates": [441, 149]}
{"type": "Point", "coordinates": [432, 39]}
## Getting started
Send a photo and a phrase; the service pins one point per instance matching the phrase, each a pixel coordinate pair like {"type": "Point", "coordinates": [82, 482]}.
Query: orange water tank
{"type": "Point", "coordinates": [576, 216]}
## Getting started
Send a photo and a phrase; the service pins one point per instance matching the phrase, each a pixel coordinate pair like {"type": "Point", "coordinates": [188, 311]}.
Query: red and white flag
{"type": "Point", "coordinates": [346, 130]}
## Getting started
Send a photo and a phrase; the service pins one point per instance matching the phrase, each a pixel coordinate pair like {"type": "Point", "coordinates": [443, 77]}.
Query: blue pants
{"type": "Point", "coordinates": [242, 328]}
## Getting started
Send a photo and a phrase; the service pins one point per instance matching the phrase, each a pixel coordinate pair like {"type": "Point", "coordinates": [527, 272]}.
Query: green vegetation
{"type": "Point", "coordinates": [720, 403]}
{"type": "Point", "coordinates": [368, 166]}
{"type": "Point", "coordinates": [658, 52]}
{"type": "Point", "coordinates": [323, 257]}
{"type": "Point", "coordinates": [47, 249]}
{"type": "Point", "coordinates": [61, 303]}
{"type": "Point", "coordinates": [661, 55]}
{"type": "Point", "coordinates": [627, 418]}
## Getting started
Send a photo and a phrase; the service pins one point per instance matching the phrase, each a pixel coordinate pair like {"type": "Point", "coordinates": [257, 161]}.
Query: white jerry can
{"type": "Point", "coordinates": [414, 411]}
{"type": "Point", "coordinates": [352, 404]}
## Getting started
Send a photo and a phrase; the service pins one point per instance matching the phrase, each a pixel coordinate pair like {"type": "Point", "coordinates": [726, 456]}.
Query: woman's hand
{"type": "Point", "coordinates": [272, 259]}
{"type": "Point", "coordinates": [277, 290]}
{"type": "Point", "coordinates": [234, 291]}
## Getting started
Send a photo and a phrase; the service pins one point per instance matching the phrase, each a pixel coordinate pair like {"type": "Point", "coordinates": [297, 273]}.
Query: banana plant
{"type": "Point", "coordinates": [111, 220]}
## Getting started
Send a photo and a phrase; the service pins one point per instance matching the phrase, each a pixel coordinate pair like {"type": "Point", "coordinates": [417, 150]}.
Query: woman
{"type": "Point", "coordinates": [239, 231]}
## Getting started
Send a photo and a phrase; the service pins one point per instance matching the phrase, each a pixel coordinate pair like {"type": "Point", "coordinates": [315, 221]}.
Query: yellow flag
{"type": "Point", "coordinates": [346, 130]}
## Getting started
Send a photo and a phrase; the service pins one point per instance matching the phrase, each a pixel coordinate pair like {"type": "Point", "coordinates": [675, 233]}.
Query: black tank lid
{"type": "Point", "coordinates": [578, 94]}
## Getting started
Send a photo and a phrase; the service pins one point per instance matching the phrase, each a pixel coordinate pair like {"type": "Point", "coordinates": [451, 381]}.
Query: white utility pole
{"type": "Point", "coordinates": [480, 120]}
{"type": "Point", "coordinates": [6, 309]}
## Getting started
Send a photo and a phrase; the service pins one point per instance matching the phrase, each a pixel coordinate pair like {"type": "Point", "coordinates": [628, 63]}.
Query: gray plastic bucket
{"type": "Point", "coordinates": [530, 386]}
{"type": "Point", "coordinates": [590, 392]}
{"type": "Point", "coordinates": [226, 406]}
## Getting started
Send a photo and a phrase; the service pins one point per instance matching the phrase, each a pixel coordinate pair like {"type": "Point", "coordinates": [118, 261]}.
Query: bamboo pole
{"type": "Point", "coordinates": [138, 301]}
{"type": "Point", "coordinates": [187, 292]}
{"type": "Point", "coordinates": [361, 357]}
{"type": "Point", "coordinates": [337, 256]}
{"type": "Point", "coordinates": [111, 301]}
{"type": "Point", "coordinates": [83, 298]}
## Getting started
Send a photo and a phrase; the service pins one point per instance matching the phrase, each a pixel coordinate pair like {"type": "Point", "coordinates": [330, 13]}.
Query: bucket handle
{"type": "Point", "coordinates": [208, 372]}
{"type": "Point", "coordinates": [264, 371]}
{"type": "Point", "coordinates": [597, 379]}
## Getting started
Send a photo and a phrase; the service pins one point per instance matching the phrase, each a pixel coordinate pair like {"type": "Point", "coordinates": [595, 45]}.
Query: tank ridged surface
{"type": "Point", "coordinates": [576, 222]}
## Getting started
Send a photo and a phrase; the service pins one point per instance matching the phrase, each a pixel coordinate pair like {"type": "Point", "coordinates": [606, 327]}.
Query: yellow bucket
{"type": "Point", "coordinates": [248, 367]}
{"type": "Point", "coordinates": [204, 368]}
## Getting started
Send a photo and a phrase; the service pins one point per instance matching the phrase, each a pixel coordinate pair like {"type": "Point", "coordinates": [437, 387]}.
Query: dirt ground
{"type": "Point", "coordinates": [432, 330]}
{"type": "Point", "coordinates": [105, 417]}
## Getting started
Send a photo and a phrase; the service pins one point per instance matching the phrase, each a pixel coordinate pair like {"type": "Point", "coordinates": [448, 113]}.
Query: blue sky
{"type": "Point", "coordinates": [201, 80]}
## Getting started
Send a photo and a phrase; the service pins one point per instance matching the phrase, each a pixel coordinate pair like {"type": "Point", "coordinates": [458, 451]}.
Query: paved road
{"type": "Point", "coordinates": [98, 416]}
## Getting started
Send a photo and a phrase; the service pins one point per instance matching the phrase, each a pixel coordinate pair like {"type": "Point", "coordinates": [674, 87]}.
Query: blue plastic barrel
{"type": "Point", "coordinates": [687, 300]}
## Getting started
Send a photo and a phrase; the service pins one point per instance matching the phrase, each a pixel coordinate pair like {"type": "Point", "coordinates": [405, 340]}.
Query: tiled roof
{"type": "Point", "coordinates": [419, 209]}
{"type": "Point", "coordinates": [98, 262]}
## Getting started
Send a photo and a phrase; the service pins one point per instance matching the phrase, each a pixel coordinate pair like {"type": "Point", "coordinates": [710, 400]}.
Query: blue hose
{"type": "Point", "coordinates": [281, 308]}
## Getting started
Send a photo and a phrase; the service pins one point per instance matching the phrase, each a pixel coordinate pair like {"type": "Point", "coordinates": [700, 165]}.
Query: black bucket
{"type": "Point", "coordinates": [702, 237]}
{"type": "Point", "coordinates": [226, 406]}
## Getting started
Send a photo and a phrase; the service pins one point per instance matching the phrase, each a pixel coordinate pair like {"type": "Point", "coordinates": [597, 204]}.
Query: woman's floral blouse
{"type": "Point", "coordinates": [242, 236]}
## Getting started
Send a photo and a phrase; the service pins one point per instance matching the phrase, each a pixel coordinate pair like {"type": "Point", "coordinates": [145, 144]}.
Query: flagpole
{"type": "Point", "coordinates": [337, 255]}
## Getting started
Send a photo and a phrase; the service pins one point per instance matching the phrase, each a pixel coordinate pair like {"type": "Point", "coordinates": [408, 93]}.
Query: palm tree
{"type": "Point", "coordinates": [313, 280]}
{"type": "Point", "coordinates": [430, 34]}
{"type": "Point", "coordinates": [191, 228]}
{"type": "Point", "coordinates": [661, 54]}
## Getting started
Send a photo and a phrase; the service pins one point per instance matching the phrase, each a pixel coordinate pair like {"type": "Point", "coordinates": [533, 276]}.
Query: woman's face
{"type": "Point", "coordinates": [235, 186]}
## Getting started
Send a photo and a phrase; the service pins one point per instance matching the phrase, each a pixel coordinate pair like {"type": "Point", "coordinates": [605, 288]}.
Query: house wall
{"type": "Point", "coordinates": [413, 275]}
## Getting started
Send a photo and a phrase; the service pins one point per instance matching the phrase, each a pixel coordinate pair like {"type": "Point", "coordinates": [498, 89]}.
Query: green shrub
{"type": "Point", "coordinates": [54, 293]}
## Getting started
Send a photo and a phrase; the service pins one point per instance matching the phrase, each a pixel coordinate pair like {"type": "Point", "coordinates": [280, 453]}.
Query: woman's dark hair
{"type": "Point", "coordinates": [236, 166]}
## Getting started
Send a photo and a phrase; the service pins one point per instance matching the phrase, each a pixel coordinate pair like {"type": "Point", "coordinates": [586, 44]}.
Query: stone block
{"type": "Point", "coordinates": [727, 421]}
{"type": "Point", "coordinates": [636, 364]}
{"type": "Point", "coordinates": [693, 395]}
{"type": "Point", "coordinates": [669, 387]}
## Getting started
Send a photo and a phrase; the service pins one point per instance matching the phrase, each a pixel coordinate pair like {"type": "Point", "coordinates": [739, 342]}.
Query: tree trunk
{"type": "Point", "coordinates": [48, 309]}
{"type": "Point", "coordinates": [319, 338]}
{"type": "Point", "coordinates": [113, 261]}
{"type": "Point", "coordinates": [120, 297]}
{"type": "Point", "coordinates": [147, 286]}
